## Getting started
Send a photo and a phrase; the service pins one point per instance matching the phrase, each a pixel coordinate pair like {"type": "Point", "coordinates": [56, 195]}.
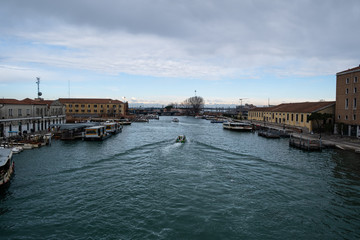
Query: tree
{"type": "Point", "coordinates": [194, 105]}
{"type": "Point", "coordinates": [320, 119]}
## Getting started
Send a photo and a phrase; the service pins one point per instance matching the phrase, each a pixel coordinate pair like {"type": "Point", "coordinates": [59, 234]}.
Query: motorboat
{"type": "Point", "coordinates": [175, 120]}
{"type": "Point", "coordinates": [17, 149]}
{"type": "Point", "coordinates": [181, 139]}
{"type": "Point", "coordinates": [238, 126]}
{"type": "Point", "coordinates": [6, 165]}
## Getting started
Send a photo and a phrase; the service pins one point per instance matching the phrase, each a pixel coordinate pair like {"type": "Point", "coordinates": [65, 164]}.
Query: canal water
{"type": "Point", "coordinates": [220, 184]}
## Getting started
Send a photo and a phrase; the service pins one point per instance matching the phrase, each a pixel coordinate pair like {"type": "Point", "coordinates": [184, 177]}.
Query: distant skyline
{"type": "Point", "coordinates": [159, 52]}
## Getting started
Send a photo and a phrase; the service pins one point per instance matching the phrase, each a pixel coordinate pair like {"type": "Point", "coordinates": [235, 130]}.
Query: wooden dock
{"type": "Point", "coordinates": [305, 144]}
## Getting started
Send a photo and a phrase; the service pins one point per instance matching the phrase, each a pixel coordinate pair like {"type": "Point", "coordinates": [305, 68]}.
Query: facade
{"type": "Point", "coordinates": [92, 107]}
{"type": "Point", "coordinates": [18, 117]}
{"type": "Point", "coordinates": [293, 114]}
{"type": "Point", "coordinates": [347, 113]}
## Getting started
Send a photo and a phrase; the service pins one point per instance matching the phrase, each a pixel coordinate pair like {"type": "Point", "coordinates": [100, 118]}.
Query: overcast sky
{"type": "Point", "coordinates": [161, 51]}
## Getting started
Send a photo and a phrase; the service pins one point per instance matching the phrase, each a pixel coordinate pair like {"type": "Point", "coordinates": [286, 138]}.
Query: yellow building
{"type": "Point", "coordinates": [94, 107]}
{"type": "Point", "coordinates": [293, 114]}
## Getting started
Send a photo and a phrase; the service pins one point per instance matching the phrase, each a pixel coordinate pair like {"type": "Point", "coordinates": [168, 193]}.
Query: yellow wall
{"type": "Point", "coordinates": [287, 118]}
{"type": "Point", "coordinates": [91, 108]}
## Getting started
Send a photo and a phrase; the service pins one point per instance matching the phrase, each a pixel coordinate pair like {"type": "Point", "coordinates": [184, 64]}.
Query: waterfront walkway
{"type": "Point", "coordinates": [328, 140]}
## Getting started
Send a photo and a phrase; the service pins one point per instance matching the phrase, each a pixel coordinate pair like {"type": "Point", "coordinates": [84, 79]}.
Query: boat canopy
{"type": "Point", "coordinates": [4, 155]}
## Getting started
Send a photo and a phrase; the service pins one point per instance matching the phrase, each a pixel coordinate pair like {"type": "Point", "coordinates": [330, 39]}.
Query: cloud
{"type": "Point", "coordinates": [189, 39]}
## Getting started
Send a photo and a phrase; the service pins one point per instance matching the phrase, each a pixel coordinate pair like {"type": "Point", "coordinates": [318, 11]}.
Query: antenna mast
{"type": "Point", "coordinates": [38, 87]}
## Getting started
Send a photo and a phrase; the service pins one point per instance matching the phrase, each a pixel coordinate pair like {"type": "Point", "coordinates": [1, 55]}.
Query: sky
{"type": "Point", "coordinates": [164, 51]}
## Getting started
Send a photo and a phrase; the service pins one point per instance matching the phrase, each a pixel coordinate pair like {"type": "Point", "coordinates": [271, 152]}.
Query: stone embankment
{"type": "Point", "coordinates": [328, 140]}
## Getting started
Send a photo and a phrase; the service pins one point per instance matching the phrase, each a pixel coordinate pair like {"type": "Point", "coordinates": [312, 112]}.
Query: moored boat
{"type": "Point", "coordinates": [17, 149]}
{"type": "Point", "coordinates": [238, 126]}
{"type": "Point", "coordinates": [112, 127]}
{"type": "Point", "coordinates": [181, 139]}
{"type": "Point", "coordinates": [95, 133]}
{"type": "Point", "coordinates": [6, 165]}
{"type": "Point", "coordinates": [124, 121]}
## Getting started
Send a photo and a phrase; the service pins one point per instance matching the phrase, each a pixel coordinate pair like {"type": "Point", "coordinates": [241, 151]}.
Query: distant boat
{"type": "Point", "coordinates": [238, 126]}
{"type": "Point", "coordinates": [124, 121]}
{"type": "Point", "coordinates": [181, 139]}
{"type": "Point", "coordinates": [175, 120]}
{"type": "Point", "coordinates": [6, 166]}
{"type": "Point", "coordinates": [218, 120]}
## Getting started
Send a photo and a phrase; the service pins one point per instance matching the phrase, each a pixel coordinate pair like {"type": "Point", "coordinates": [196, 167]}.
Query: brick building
{"type": "Point", "coordinates": [94, 107]}
{"type": "Point", "coordinates": [347, 113]}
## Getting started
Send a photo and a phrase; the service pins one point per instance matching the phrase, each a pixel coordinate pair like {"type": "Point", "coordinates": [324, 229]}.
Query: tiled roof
{"type": "Point", "coordinates": [90, 100]}
{"type": "Point", "coordinates": [302, 107]}
{"type": "Point", "coordinates": [355, 69]}
{"type": "Point", "coordinates": [26, 101]}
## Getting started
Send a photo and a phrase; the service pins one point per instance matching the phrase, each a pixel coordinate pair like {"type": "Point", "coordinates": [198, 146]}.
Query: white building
{"type": "Point", "coordinates": [18, 117]}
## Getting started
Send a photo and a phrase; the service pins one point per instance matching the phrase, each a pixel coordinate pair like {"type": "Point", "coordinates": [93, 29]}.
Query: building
{"type": "Point", "coordinates": [347, 112]}
{"type": "Point", "coordinates": [294, 115]}
{"type": "Point", "coordinates": [18, 117]}
{"type": "Point", "coordinates": [94, 107]}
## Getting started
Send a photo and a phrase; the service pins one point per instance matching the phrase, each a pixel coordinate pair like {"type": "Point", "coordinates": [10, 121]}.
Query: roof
{"type": "Point", "coordinates": [90, 100]}
{"type": "Point", "coordinates": [302, 107]}
{"type": "Point", "coordinates": [351, 70]}
{"type": "Point", "coordinates": [26, 101]}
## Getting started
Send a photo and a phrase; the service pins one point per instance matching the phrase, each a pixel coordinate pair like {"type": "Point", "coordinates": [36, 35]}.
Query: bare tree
{"type": "Point", "coordinates": [194, 105]}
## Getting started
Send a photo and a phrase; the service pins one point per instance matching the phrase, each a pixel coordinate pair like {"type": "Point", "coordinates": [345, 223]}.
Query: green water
{"type": "Point", "coordinates": [220, 184]}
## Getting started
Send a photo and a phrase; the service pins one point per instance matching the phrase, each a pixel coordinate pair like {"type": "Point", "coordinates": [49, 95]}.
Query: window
{"type": "Point", "coordinates": [297, 117]}
{"type": "Point", "coordinates": [76, 110]}
{"type": "Point", "coordinates": [76, 105]}
{"type": "Point", "coordinates": [346, 103]}
{"type": "Point", "coordinates": [287, 117]}
{"type": "Point", "coordinates": [88, 110]}
{"type": "Point", "coordinates": [307, 118]}
{"type": "Point", "coordinates": [83, 105]}
{"type": "Point", "coordinates": [292, 117]}
{"type": "Point", "coordinates": [354, 103]}
{"type": "Point", "coordinates": [347, 81]}
{"type": "Point", "coordinates": [354, 117]}
{"type": "Point", "coordinates": [70, 110]}
{"type": "Point", "coordinates": [28, 112]}
{"type": "Point", "coordinates": [89, 106]}
{"type": "Point", "coordinates": [355, 79]}
{"type": "Point", "coordinates": [82, 110]}
{"type": "Point", "coordinates": [95, 110]}
{"type": "Point", "coordinates": [346, 91]}
{"type": "Point", "coordinates": [339, 117]}
{"type": "Point", "coordinates": [19, 113]}
{"type": "Point", "coordinates": [10, 112]}
{"type": "Point", "coordinates": [355, 89]}
{"type": "Point", "coordinates": [346, 117]}
{"type": "Point", "coordinates": [70, 105]}
{"type": "Point", "coordinates": [95, 106]}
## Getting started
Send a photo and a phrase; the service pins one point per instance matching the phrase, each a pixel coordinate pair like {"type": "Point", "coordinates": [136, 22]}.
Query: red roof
{"type": "Point", "coordinates": [355, 69]}
{"type": "Point", "coordinates": [26, 101]}
{"type": "Point", "coordinates": [302, 107]}
{"type": "Point", "coordinates": [90, 100]}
